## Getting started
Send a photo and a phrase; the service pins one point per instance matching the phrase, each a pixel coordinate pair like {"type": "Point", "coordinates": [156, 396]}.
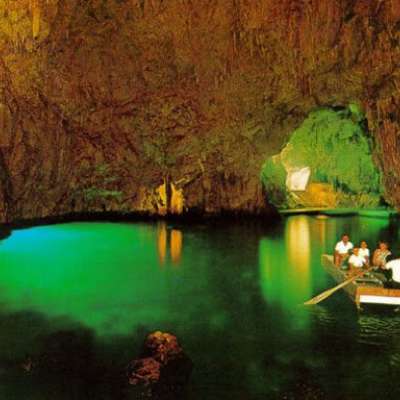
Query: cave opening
{"type": "Point", "coordinates": [327, 163]}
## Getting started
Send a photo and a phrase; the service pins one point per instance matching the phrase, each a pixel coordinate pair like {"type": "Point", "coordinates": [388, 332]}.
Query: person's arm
{"type": "Point", "coordinates": [374, 258]}
{"type": "Point", "coordinates": [387, 265]}
{"type": "Point", "coordinates": [352, 262]}
{"type": "Point", "coordinates": [336, 254]}
{"type": "Point", "coordinates": [367, 258]}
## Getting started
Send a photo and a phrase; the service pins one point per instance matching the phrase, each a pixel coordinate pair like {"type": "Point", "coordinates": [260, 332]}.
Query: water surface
{"type": "Point", "coordinates": [86, 294]}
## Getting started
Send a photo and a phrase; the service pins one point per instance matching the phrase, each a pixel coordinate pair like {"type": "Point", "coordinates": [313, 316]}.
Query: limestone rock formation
{"type": "Point", "coordinates": [163, 370]}
{"type": "Point", "coordinates": [104, 101]}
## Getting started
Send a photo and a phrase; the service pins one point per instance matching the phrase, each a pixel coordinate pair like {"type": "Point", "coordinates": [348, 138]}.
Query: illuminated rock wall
{"type": "Point", "coordinates": [194, 93]}
{"type": "Point", "coordinates": [327, 162]}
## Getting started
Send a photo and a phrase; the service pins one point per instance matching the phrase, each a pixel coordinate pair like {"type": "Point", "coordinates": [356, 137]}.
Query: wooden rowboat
{"type": "Point", "coordinates": [365, 290]}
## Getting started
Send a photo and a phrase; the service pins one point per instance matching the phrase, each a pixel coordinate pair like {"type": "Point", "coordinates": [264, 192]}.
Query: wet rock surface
{"type": "Point", "coordinates": [162, 371]}
{"type": "Point", "coordinates": [117, 105]}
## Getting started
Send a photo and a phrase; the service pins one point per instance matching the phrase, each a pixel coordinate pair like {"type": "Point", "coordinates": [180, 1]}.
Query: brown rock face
{"type": "Point", "coordinates": [115, 104]}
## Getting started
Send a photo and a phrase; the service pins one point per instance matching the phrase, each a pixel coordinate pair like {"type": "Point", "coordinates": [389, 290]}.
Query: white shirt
{"type": "Point", "coordinates": [394, 265]}
{"type": "Point", "coordinates": [363, 252]}
{"type": "Point", "coordinates": [343, 248]}
{"type": "Point", "coordinates": [357, 261]}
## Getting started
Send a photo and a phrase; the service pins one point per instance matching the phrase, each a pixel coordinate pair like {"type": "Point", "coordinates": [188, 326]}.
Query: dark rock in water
{"type": "Point", "coordinates": [304, 388]}
{"type": "Point", "coordinates": [303, 385]}
{"type": "Point", "coordinates": [27, 365]}
{"type": "Point", "coordinates": [144, 371]}
{"type": "Point", "coordinates": [163, 370]}
{"type": "Point", "coordinates": [5, 232]}
{"type": "Point", "coordinates": [304, 391]}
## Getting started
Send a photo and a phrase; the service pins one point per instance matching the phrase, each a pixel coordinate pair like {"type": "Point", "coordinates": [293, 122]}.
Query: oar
{"type": "Point", "coordinates": [327, 293]}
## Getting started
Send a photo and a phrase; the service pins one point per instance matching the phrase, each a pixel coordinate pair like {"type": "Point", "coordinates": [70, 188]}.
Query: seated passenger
{"type": "Point", "coordinates": [364, 251]}
{"type": "Point", "coordinates": [380, 254]}
{"type": "Point", "coordinates": [356, 260]}
{"type": "Point", "coordinates": [342, 250]}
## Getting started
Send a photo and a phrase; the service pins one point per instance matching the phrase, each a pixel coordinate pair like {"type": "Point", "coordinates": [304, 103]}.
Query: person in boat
{"type": "Point", "coordinates": [392, 272]}
{"type": "Point", "coordinates": [380, 255]}
{"type": "Point", "coordinates": [342, 250]}
{"type": "Point", "coordinates": [356, 260]}
{"type": "Point", "coordinates": [364, 251]}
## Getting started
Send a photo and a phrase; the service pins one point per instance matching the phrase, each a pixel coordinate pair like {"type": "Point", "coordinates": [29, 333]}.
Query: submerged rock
{"type": "Point", "coordinates": [163, 370]}
{"type": "Point", "coordinates": [144, 371]}
{"type": "Point", "coordinates": [5, 232]}
{"type": "Point", "coordinates": [304, 391]}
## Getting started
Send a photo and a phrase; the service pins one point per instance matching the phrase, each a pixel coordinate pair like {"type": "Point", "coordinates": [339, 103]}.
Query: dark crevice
{"type": "Point", "coordinates": [5, 185]}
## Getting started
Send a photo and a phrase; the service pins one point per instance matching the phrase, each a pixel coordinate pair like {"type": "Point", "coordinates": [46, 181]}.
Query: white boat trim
{"type": "Point", "coordinates": [379, 299]}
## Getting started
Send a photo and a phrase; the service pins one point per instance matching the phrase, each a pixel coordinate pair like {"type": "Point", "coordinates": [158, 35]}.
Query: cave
{"type": "Point", "coordinates": [328, 162]}
{"type": "Point", "coordinates": [174, 178]}
{"type": "Point", "coordinates": [190, 99]}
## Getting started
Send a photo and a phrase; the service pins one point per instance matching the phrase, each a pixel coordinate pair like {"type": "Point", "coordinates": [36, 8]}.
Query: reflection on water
{"type": "Point", "coordinates": [299, 252]}
{"type": "Point", "coordinates": [380, 330]}
{"type": "Point", "coordinates": [176, 245]}
{"type": "Point", "coordinates": [162, 241]}
{"type": "Point", "coordinates": [234, 302]}
{"type": "Point", "coordinates": [176, 241]}
{"type": "Point", "coordinates": [320, 224]}
{"type": "Point", "coordinates": [285, 265]}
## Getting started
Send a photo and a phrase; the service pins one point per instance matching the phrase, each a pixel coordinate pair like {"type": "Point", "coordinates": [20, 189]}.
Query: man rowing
{"type": "Point", "coordinates": [342, 250]}
{"type": "Point", "coordinates": [393, 268]}
{"type": "Point", "coordinates": [389, 273]}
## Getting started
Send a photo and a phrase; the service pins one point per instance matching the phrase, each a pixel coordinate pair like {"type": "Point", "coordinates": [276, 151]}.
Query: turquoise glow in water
{"type": "Point", "coordinates": [232, 294]}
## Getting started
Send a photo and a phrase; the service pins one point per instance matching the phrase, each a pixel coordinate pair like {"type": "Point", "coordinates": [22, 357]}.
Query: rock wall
{"type": "Point", "coordinates": [104, 101]}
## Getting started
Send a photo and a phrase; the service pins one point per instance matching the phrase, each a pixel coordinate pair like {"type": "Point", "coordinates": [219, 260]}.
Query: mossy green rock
{"type": "Point", "coordinates": [338, 152]}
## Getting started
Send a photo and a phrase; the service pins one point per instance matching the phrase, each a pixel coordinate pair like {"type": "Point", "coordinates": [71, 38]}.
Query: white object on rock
{"type": "Point", "coordinates": [297, 179]}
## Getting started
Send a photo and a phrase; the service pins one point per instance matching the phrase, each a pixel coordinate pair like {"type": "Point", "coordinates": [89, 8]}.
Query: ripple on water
{"type": "Point", "coordinates": [380, 330]}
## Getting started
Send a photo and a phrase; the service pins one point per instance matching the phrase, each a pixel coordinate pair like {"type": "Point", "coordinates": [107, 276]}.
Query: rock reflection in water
{"type": "Point", "coordinates": [285, 265]}
{"type": "Point", "coordinates": [175, 243]}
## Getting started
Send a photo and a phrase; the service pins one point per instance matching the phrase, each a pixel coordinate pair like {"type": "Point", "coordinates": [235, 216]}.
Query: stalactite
{"type": "Point", "coordinates": [230, 66]}
{"type": "Point", "coordinates": [177, 200]}
{"type": "Point", "coordinates": [162, 199]}
{"type": "Point", "coordinates": [35, 7]}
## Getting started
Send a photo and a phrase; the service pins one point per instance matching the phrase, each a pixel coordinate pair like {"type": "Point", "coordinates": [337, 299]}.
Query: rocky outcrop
{"type": "Point", "coordinates": [104, 102]}
{"type": "Point", "coordinates": [163, 370]}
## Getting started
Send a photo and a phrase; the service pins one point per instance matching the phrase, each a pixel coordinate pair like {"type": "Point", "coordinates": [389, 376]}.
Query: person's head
{"type": "Point", "coordinates": [345, 238]}
{"type": "Point", "coordinates": [383, 245]}
{"type": "Point", "coordinates": [363, 244]}
{"type": "Point", "coordinates": [356, 251]}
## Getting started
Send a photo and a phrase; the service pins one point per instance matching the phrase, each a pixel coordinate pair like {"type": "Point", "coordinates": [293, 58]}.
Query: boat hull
{"type": "Point", "coordinates": [362, 291]}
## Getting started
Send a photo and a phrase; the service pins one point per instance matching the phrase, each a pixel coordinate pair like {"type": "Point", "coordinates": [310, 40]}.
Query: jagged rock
{"type": "Point", "coordinates": [198, 93]}
{"type": "Point", "coordinates": [163, 370]}
{"type": "Point", "coordinates": [144, 372]}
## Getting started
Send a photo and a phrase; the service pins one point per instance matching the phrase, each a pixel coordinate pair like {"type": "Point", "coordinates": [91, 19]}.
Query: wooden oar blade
{"type": "Point", "coordinates": [322, 296]}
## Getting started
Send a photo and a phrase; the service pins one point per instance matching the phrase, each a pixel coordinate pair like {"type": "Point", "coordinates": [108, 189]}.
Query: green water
{"type": "Point", "coordinates": [85, 294]}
